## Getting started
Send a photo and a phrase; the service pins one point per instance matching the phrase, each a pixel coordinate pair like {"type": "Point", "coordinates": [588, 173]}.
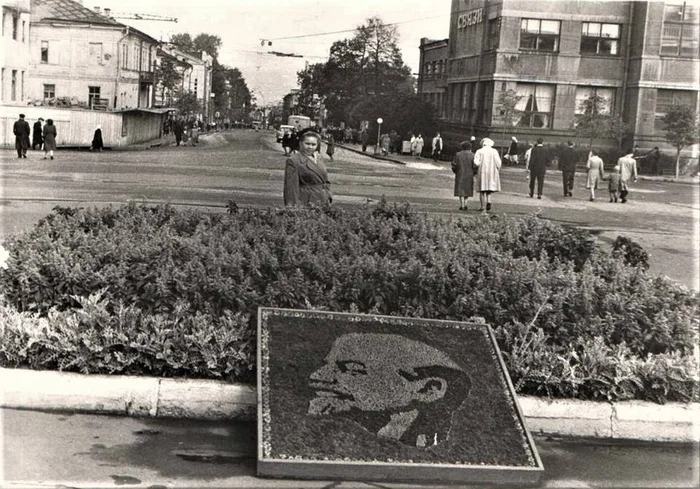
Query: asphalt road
{"type": "Point", "coordinates": [248, 167]}
{"type": "Point", "coordinates": [50, 450]}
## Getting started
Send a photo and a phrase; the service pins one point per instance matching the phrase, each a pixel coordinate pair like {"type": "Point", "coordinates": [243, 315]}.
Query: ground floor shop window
{"type": "Point", "coordinates": [535, 105]}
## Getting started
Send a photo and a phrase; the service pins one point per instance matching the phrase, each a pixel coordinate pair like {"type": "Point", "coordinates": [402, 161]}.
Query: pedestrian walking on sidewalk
{"type": "Point", "coordinates": [512, 155]}
{"type": "Point", "coordinates": [595, 173]}
{"type": "Point", "coordinates": [488, 162]}
{"type": "Point", "coordinates": [654, 157]}
{"type": "Point", "coordinates": [194, 133]}
{"type": "Point", "coordinates": [49, 138]}
{"type": "Point", "coordinates": [364, 138]}
{"type": "Point", "coordinates": [37, 134]}
{"type": "Point", "coordinates": [463, 167]}
{"type": "Point", "coordinates": [419, 146]}
{"type": "Point", "coordinates": [614, 183]}
{"type": "Point", "coordinates": [628, 173]}
{"type": "Point", "coordinates": [437, 147]}
{"type": "Point", "coordinates": [567, 164]}
{"type": "Point", "coordinates": [330, 146]}
{"type": "Point", "coordinates": [21, 131]}
{"type": "Point", "coordinates": [178, 129]}
{"type": "Point", "coordinates": [97, 143]}
{"type": "Point", "coordinates": [537, 166]}
{"type": "Point", "coordinates": [305, 176]}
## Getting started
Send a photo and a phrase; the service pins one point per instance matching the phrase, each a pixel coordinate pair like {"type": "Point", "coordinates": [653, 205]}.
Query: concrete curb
{"type": "Point", "coordinates": [211, 399]}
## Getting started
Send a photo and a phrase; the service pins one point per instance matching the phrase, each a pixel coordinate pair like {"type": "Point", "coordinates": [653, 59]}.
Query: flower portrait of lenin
{"type": "Point", "coordinates": [392, 386]}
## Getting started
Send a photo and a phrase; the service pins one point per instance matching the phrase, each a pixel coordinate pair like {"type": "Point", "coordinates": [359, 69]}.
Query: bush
{"type": "Point", "coordinates": [157, 262]}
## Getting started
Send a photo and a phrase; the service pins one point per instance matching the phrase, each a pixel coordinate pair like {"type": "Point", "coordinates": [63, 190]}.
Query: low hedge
{"type": "Point", "coordinates": [162, 291]}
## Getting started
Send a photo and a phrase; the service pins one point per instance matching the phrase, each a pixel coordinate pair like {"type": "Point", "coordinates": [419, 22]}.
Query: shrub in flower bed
{"type": "Point", "coordinates": [387, 259]}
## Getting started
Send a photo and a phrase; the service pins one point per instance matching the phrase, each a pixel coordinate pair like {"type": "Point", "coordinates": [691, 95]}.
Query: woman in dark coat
{"type": "Point", "coordinates": [464, 169]}
{"type": "Point", "coordinates": [37, 137]}
{"type": "Point", "coordinates": [97, 143]}
{"type": "Point", "coordinates": [49, 138]}
{"type": "Point", "coordinates": [305, 177]}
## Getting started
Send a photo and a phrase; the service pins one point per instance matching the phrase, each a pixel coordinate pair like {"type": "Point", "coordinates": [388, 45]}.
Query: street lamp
{"type": "Point", "coordinates": [379, 131]}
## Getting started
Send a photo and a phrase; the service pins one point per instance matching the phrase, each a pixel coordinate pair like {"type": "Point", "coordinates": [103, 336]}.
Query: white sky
{"type": "Point", "coordinates": [242, 23]}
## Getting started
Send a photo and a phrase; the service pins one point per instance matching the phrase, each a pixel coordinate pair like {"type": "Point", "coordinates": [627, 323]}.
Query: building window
{"type": "Point", "coordinates": [535, 105]}
{"type": "Point", "coordinates": [125, 56]}
{"type": "Point", "coordinates": [13, 88]}
{"type": "Point", "coordinates": [93, 96]}
{"type": "Point", "coordinates": [22, 87]}
{"type": "Point", "coordinates": [680, 31]}
{"type": "Point", "coordinates": [95, 50]}
{"type": "Point", "coordinates": [15, 26]}
{"type": "Point", "coordinates": [24, 31]}
{"type": "Point", "coordinates": [49, 90]}
{"type": "Point", "coordinates": [136, 58]}
{"type": "Point", "coordinates": [599, 38]}
{"type": "Point", "coordinates": [494, 36]}
{"type": "Point", "coordinates": [2, 84]}
{"type": "Point", "coordinates": [488, 103]}
{"type": "Point", "coordinates": [195, 85]}
{"type": "Point", "coordinates": [607, 96]}
{"type": "Point", "coordinates": [125, 126]}
{"type": "Point", "coordinates": [540, 35]}
{"type": "Point", "coordinates": [44, 51]}
{"type": "Point", "coordinates": [3, 23]}
{"type": "Point", "coordinates": [668, 98]}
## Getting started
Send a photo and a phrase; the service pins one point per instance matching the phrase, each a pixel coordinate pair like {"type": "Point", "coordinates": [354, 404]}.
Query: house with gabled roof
{"type": "Point", "coordinates": [84, 58]}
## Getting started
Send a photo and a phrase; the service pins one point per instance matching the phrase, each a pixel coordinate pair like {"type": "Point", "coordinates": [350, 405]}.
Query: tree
{"type": "Point", "coordinates": [508, 100]}
{"type": "Point", "coordinates": [619, 130]}
{"type": "Point", "coordinates": [681, 129]}
{"type": "Point", "coordinates": [183, 42]}
{"type": "Point", "coordinates": [593, 123]}
{"type": "Point", "coordinates": [188, 104]}
{"type": "Point", "coordinates": [401, 112]}
{"type": "Point", "coordinates": [368, 64]}
{"type": "Point", "coordinates": [168, 78]}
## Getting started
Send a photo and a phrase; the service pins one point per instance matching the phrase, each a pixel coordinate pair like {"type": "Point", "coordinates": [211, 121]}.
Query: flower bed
{"type": "Point", "coordinates": [162, 291]}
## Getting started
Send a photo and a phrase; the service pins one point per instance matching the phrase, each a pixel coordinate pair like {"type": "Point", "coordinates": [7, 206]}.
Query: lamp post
{"type": "Point", "coordinates": [379, 131]}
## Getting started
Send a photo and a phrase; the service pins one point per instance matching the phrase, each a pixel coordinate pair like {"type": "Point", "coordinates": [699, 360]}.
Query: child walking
{"type": "Point", "coordinates": [614, 183]}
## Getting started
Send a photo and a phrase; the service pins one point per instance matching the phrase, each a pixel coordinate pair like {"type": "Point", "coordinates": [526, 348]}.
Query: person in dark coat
{"type": "Point", "coordinates": [330, 146]}
{"type": "Point", "coordinates": [364, 138]}
{"type": "Point", "coordinates": [294, 141]}
{"type": "Point", "coordinates": [50, 134]}
{"type": "Point", "coordinates": [37, 134]}
{"type": "Point", "coordinates": [512, 155]}
{"type": "Point", "coordinates": [97, 143]}
{"type": "Point", "coordinates": [567, 163]}
{"type": "Point", "coordinates": [654, 157]}
{"type": "Point", "coordinates": [305, 176]}
{"type": "Point", "coordinates": [178, 129]}
{"type": "Point", "coordinates": [464, 169]}
{"type": "Point", "coordinates": [286, 144]}
{"type": "Point", "coordinates": [21, 131]}
{"type": "Point", "coordinates": [537, 166]}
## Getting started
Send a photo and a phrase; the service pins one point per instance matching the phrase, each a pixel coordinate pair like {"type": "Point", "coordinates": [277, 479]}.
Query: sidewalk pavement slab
{"type": "Point", "coordinates": [57, 450]}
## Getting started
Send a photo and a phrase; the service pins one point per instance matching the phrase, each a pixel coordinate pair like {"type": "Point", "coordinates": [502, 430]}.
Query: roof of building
{"type": "Point", "coordinates": [74, 12]}
{"type": "Point", "coordinates": [182, 55]}
{"type": "Point", "coordinates": [426, 43]}
{"type": "Point", "coordinates": [69, 11]}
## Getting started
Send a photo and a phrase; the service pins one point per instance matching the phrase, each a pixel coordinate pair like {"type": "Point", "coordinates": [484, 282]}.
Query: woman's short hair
{"type": "Point", "coordinates": [49, 122]}
{"type": "Point", "coordinates": [465, 145]}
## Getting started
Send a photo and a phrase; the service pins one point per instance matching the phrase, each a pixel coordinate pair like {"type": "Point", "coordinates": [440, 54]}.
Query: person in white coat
{"type": "Point", "coordinates": [488, 162]}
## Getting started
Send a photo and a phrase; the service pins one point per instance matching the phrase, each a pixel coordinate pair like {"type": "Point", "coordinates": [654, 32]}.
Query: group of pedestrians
{"type": "Point", "coordinates": [43, 136]}
{"type": "Point", "coordinates": [184, 130]}
{"type": "Point", "coordinates": [485, 165]}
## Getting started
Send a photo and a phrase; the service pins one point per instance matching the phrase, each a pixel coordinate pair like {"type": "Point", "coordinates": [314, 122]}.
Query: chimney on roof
{"type": "Point", "coordinates": [108, 12]}
{"type": "Point", "coordinates": [97, 10]}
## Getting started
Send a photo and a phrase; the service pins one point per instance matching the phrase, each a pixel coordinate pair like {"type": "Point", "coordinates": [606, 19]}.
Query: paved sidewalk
{"type": "Point", "coordinates": [88, 451]}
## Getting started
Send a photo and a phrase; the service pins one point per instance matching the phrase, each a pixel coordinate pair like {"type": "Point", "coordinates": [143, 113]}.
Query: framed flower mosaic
{"type": "Point", "coordinates": [380, 398]}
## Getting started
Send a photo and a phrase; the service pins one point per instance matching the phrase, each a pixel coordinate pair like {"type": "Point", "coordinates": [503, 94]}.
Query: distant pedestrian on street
{"type": "Point", "coordinates": [21, 131]}
{"type": "Point", "coordinates": [464, 169]}
{"type": "Point", "coordinates": [178, 129]}
{"type": "Point", "coordinates": [286, 144]}
{"type": "Point", "coordinates": [654, 158]}
{"type": "Point", "coordinates": [413, 144]}
{"type": "Point", "coordinates": [37, 134]}
{"type": "Point", "coordinates": [364, 139]}
{"type": "Point", "coordinates": [528, 153]}
{"type": "Point", "coordinates": [512, 155]}
{"type": "Point", "coordinates": [194, 133]}
{"type": "Point", "coordinates": [488, 162]}
{"type": "Point", "coordinates": [50, 135]}
{"type": "Point", "coordinates": [613, 179]}
{"type": "Point", "coordinates": [595, 173]}
{"type": "Point", "coordinates": [97, 143]}
{"type": "Point", "coordinates": [437, 147]}
{"type": "Point", "coordinates": [305, 176]}
{"type": "Point", "coordinates": [628, 173]}
{"type": "Point", "coordinates": [330, 146]}
{"type": "Point", "coordinates": [294, 141]}
{"type": "Point", "coordinates": [567, 164]}
{"type": "Point", "coordinates": [419, 145]}
{"type": "Point", "coordinates": [384, 143]}
{"type": "Point", "coordinates": [537, 166]}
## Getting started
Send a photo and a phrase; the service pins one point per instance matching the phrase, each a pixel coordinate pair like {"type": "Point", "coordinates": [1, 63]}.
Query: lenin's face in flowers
{"type": "Point", "coordinates": [378, 372]}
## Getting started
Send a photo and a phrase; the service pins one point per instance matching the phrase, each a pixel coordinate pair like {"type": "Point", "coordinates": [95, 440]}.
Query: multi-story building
{"type": "Point", "coordinates": [641, 56]}
{"type": "Point", "coordinates": [196, 74]}
{"type": "Point", "coordinates": [432, 82]}
{"type": "Point", "coordinates": [82, 57]}
{"type": "Point", "coordinates": [290, 104]}
{"type": "Point", "coordinates": [14, 55]}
